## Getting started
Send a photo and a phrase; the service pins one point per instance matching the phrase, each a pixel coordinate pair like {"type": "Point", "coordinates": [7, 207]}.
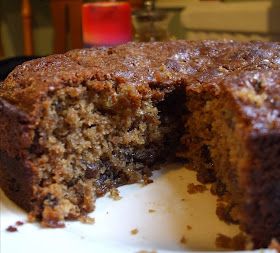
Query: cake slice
{"type": "Point", "coordinates": [77, 125]}
{"type": "Point", "coordinates": [232, 140]}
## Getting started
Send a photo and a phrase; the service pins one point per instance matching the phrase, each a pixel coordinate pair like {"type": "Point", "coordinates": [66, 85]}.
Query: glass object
{"type": "Point", "coordinates": [106, 23]}
{"type": "Point", "coordinates": [150, 23]}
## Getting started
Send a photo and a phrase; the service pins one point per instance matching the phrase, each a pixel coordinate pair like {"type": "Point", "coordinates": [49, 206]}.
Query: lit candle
{"type": "Point", "coordinates": [106, 23]}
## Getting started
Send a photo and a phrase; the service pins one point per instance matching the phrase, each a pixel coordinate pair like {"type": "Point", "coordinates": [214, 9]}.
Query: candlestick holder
{"type": "Point", "coordinates": [149, 23]}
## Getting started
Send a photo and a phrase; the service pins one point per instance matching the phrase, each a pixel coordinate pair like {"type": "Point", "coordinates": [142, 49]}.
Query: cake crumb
{"type": "Point", "coordinates": [226, 213]}
{"type": "Point", "coordinates": [237, 242]}
{"type": "Point", "coordinates": [147, 180]}
{"type": "Point", "coordinates": [274, 244]}
{"type": "Point", "coordinates": [249, 95]}
{"type": "Point", "coordinates": [134, 231]}
{"type": "Point", "coordinates": [152, 210]}
{"type": "Point", "coordinates": [11, 229]}
{"type": "Point", "coordinates": [115, 194]}
{"type": "Point", "coordinates": [183, 240]}
{"type": "Point", "coordinates": [31, 217]}
{"type": "Point", "coordinates": [183, 199]}
{"type": "Point", "coordinates": [19, 223]}
{"type": "Point", "coordinates": [196, 188]}
{"type": "Point", "coordinates": [86, 220]}
{"type": "Point", "coordinates": [189, 227]}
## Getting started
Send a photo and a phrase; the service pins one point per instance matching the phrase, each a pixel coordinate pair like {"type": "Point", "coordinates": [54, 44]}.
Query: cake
{"type": "Point", "coordinates": [77, 125]}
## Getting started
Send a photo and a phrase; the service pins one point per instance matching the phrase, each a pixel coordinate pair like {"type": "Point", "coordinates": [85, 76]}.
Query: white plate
{"type": "Point", "coordinates": [158, 231]}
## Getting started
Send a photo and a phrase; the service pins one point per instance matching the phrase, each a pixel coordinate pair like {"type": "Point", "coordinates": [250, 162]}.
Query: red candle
{"type": "Point", "coordinates": [106, 23]}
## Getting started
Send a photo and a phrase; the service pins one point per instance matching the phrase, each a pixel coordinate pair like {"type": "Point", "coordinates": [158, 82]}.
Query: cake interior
{"type": "Point", "coordinates": [216, 148]}
{"type": "Point", "coordinates": [90, 141]}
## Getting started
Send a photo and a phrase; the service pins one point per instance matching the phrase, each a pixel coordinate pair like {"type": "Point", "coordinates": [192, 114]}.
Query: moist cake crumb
{"type": "Point", "coordinates": [196, 188]}
{"type": "Point", "coordinates": [189, 227]}
{"type": "Point", "coordinates": [11, 229]}
{"type": "Point", "coordinates": [115, 194]}
{"type": "Point", "coordinates": [86, 219]}
{"type": "Point", "coordinates": [218, 189]}
{"type": "Point", "coordinates": [31, 218]}
{"type": "Point", "coordinates": [134, 231]}
{"type": "Point", "coordinates": [19, 223]}
{"type": "Point", "coordinates": [237, 242]}
{"type": "Point", "coordinates": [226, 212]}
{"type": "Point", "coordinates": [183, 240]}
{"type": "Point", "coordinates": [147, 180]}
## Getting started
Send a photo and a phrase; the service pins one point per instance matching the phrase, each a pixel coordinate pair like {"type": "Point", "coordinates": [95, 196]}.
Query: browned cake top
{"type": "Point", "coordinates": [199, 65]}
{"type": "Point", "coordinates": [257, 94]}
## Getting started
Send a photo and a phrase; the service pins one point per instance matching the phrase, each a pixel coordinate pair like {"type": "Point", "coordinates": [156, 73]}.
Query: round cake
{"type": "Point", "coordinates": [77, 125]}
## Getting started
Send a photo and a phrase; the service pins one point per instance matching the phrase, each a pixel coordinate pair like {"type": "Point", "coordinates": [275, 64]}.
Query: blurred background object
{"type": "Point", "coordinates": [136, 4]}
{"type": "Point", "coordinates": [238, 20]}
{"type": "Point", "coordinates": [66, 20]}
{"type": "Point", "coordinates": [150, 23]}
{"type": "Point", "coordinates": [55, 25]}
{"type": "Point", "coordinates": [106, 23]}
{"type": "Point", "coordinates": [27, 27]}
{"type": "Point", "coordinates": [1, 49]}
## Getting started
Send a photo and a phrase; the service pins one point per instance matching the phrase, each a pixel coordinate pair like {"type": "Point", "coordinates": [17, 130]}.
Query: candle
{"type": "Point", "coordinates": [106, 23]}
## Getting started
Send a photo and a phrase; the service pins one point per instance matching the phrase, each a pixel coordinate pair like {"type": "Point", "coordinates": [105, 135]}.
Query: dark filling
{"type": "Point", "coordinates": [172, 112]}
